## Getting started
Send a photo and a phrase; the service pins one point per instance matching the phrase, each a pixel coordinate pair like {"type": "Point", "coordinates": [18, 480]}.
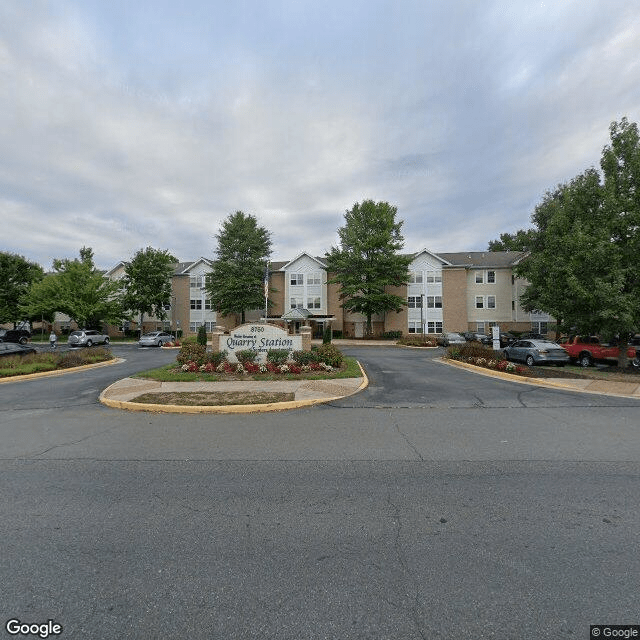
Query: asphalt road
{"type": "Point", "coordinates": [435, 504]}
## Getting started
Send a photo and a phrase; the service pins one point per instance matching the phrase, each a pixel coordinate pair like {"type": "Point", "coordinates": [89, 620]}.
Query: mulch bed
{"type": "Point", "coordinates": [214, 398]}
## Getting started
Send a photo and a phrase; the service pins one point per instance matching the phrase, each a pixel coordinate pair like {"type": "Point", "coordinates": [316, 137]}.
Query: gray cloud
{"type": "Point", "coordinates": [134, 125]}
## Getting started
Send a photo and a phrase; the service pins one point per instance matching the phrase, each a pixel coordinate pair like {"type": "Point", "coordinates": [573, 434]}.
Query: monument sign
{"type": "Point", "coordinates": [260, 338]}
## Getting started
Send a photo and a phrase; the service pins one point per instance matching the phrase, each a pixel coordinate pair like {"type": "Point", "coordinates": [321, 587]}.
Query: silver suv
{"type": "Point", "coordinates": [87, 338]}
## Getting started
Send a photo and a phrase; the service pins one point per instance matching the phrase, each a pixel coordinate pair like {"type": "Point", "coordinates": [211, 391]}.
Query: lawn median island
{"type": "Point", "coordinates": [44, 362]}
{"type": "Point", "coordinates": [213, 398]}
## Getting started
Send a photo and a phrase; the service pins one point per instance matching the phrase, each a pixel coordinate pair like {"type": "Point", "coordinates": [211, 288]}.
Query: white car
{"type": "Point", "coordinates": [87, 338]}
{"type": "Point", "coordinates": [155, 339]}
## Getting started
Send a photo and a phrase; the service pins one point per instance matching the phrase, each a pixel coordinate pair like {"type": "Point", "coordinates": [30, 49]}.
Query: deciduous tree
{"type": "Point", "coordinates": [367, 260]}
{"type": "Point", "coordinates": [17, 275]}
{"type": "Point", "coordinates": [236, 283]}
{"type": "Point", "coordinates": [147, 283]}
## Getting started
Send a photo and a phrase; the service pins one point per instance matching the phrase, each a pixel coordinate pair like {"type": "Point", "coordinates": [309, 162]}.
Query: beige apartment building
{"type": "Point", "coordinates": [465, 291]}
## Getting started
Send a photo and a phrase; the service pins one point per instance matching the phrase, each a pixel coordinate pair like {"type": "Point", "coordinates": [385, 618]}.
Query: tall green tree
{"type": "Point", "coordinates": [236, 281]}
{"type": "Point", "coordinates": [367, 260]}
{"type": "Point", "coordinates": [17, 275]}
{"type": "Point", "coordinates": [584, 261]}
{"type": "Point", "coordinates": [78, 289]}
{"type": "Point", "coordinates": [147, 283]}
{"type": "Point", "coordinates": [519, 241]}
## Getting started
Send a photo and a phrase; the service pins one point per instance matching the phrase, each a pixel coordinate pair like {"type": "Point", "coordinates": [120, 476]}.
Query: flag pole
{"type": "Point", "coordinates": [266, 292]}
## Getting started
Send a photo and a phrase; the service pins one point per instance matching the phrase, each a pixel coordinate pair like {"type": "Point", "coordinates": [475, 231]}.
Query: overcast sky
{"type": "Point", "coordinates": [132, 124]}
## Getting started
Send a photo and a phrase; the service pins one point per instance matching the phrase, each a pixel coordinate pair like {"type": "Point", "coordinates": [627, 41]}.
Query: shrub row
{"type": "Point", "coordinates": [326, 354]}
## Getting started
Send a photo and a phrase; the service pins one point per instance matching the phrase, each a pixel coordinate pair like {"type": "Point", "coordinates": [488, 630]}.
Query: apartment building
{"type": "Point", "coordinates": [465, 291]}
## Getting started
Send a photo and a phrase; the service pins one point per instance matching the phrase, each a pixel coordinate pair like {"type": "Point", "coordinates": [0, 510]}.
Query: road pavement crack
{"type": "Point", "coordinates": [405, 438]}
{"type": "Point", "coordinates": [413, 610]}
{"type": "Point", "coordinates": [67, 444]}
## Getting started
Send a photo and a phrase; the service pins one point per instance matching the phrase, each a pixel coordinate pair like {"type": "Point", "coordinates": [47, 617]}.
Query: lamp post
{"type": "Point", "coordinates": [422, 313]}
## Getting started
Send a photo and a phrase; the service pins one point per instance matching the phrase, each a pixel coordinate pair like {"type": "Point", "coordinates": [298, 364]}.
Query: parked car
{"type": "Point", "coordinates": [155, 338]}
{"type": "Point", "coordinates": [15, 335]}
{"type": "Point", "coordinates": [15, 349]}
{"type": "Point", "coordinates": [451, 338]}
{"type": "Point", "coordinates": [478, 337]}
{"type": "Point", "coordinates": [536, 352]}
{"type": "Point", "coordinates": [87, 338]}
{"type": "Point", "coordinates": [587, 350]}
{"type": "Point", "coordinates": [506, 339]}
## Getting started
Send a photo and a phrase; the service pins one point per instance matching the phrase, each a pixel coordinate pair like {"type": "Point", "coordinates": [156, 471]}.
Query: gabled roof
{"type": "Point", "coordinates": [115, 268]}
{"type": "Point", "coordinates": [437, 256]}
{"type": "Point", "coordinates": [484, 259]}
{"type": "Point", "coordinates": [317, 259]}
{"type": "Point", "coordinates": [184, 268]}
{"type": "Point", "coordinates": [296, 314]}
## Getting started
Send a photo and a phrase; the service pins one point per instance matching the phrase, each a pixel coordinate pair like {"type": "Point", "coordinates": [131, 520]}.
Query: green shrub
{"type": "Point", "coordinates": [337, 334]}
{"type": "Point", "coordinates": [277, 356]}
{"type": "Point", "coordinates": [329, 354]}
{"type": "Point", "coordinates": [246, 355]}
{"type": "Point", "coordinates": [471, 350]}
{"type": "Point", "coordinates": [202, 336]}
{"type": "Point", "coordinates": [326, 335]}
{"type": "Point", "coordinates": [190, 340]}
{"type": "Point", "coordinates": [392, 335]}
{"type": "Point", "coordinates": [216, 358]}
{"type": "Point", "coordinates": [70, 359]}
{"type": "Point", "coordinates": [191, 352]}
{"type": "Point", "coordinates": [305, 357]}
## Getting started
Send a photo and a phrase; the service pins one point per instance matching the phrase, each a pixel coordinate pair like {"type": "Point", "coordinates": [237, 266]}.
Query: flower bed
{"type": "Point", "coordinates": [480, 356]}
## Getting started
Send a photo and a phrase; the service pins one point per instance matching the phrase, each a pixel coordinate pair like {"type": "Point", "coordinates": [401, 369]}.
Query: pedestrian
{"type": "Point", "coordinates": [52, 339]}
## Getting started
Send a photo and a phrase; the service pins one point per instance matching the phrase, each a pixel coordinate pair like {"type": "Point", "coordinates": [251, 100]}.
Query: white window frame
{"type": "Point", "coordinates": [314, 278]}
{"type": "Point", "coordinates": [434, 326]}
{"type": "Point", "coordinates": [296, 304]}
{"type": "Point", "coordinates": [296, 279]}
{"type": "Point", "coordinates": [195, 282]}
{"type": "Point", "coordinates": [491, 277]}
{"type": "Point", "coordinates": [414, 302]}
{"type": "Point", "coordinates": [415, 327]}
{"type": "Point", "coordinates": [194, 326]}
{"type": "Point", "coordinates": [195, 304]}
{"type": "Point", "coordinates": [415, 277]}
{"type": "Point", "coordinates": [433, 277]}
{"type": "Point", "coordinates": [491, 299]}
{"type": "Point", "coordinates": [208, 305]}
{"type": "Point", "coordinates": [479, 277]}
{"type": "Point", "coordinates": [481, 300]}
{"type": "Point", "coordinates": [434, 302]}
{"type": "Point", "coordinates": [314, 302]}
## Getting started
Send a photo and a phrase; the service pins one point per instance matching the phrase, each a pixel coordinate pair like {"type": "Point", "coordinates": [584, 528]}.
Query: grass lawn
{"type": "Point", "coordinates": [216, 398]}
{"type": "Point", "coordinates": [38, 362]}
{"type": "Point", "coordinates": [169, 373]}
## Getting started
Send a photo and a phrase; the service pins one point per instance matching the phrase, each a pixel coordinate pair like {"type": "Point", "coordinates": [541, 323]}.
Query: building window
{"type": "Point", "coordinates": [479, 277]}
{"type": "Point", "coordinates": [194, 326]}
{"type": "Point", "coordinates": [167, 306]}
{"type": "Point", "coordinates": [491, 302]}
{"type": "Point", "coordinates": [415, 277]}
{"type": "Point", "coordinates": [491, 277]}
{"type": "Point", "coordinates": [195, 282]}
{"type": "Point", "coordinates": [207, 304]}
{"type": "Point", "coordinates": [296, 304]}
{"type": "Point", "coordinates": [209, 326]}
{"type": "Point", "coordinates": [480, 327]}
{"type": "Point", "coordinates": [415, 327]}
{"type": "Point", "coordinates": [313, 303]}
{"type": "Point", "coordinates": [314, 278]}
{"type": "Point", "coordinates": [414, 302]}
{"type": "Point", "coordinates": [433, 277]}
{"type": "Point", "coordinates": [434, 302]}
{"type": "Point", "coordinates": [297, 279]}
{"type": "Point", "coordinates": [513, 305]}
{"type": "Point", "coordinates": [195, 303]}
{"type": "Point", "coordinates": [434, 327]}
{"type": "Point", "coordinates": [479, 302]}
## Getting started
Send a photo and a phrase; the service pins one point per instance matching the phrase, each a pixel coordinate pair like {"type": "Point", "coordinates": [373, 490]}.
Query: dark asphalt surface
{"type": "Point", "coordinates": [435, 504]}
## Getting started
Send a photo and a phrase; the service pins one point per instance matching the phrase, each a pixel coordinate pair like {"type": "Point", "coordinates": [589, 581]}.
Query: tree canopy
{"type": "Point", "coordinates": [236, 281]}
{"type": "Point", "coordinates": [367, 260]}
{"type": "Point", "coordinates": [519, 241]}
{"type": "Point", "coordinates": [147, 282]}
{"type": "Point", "coordinates": [584, 260]}
{"type": "Point", "coordinates": [17, 275]}
{"type": "Point", "coordinates": [77, 289]}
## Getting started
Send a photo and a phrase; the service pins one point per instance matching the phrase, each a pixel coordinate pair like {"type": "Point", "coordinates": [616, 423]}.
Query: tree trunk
{"type": "Point", "coordinates": [623, 357]}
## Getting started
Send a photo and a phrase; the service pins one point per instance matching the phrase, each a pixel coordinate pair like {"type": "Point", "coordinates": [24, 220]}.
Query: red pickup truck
{"type": "Point", "coordinates": [587, 349]}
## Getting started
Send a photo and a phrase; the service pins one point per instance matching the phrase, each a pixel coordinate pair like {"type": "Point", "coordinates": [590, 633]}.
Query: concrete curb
{"type": "Point", "coordinates": [238, 408]}
{"type": "Point", "coordinates": [577, 384]}
{"type": "Point", "coordinates": [61, 372]}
